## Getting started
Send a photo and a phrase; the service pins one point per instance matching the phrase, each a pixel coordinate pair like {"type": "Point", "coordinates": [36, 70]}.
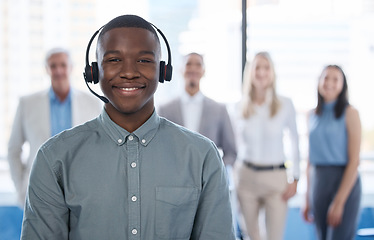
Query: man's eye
{"type": "Point", "coordinates": [113, 60]}
{"type": "Point", "coordinates": [144, 61]}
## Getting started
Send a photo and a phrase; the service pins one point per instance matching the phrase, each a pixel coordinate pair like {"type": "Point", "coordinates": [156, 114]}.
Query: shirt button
{"type": "Point", "coordinates": [119, 140]}
{"type": "Point", "coordinates": [134, 231]}
{"type": "Point", "coordinates": [131, 138]}
{"type": "Point", "coordinates": [134, 198]}
{"type": "Point", "coordinates": [143, 140]}
{"type": "Point", "coordinates": [133, 164]}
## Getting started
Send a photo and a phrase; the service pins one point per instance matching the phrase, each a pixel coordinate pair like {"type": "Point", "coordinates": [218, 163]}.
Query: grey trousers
{"type": "Point", "coordinates": [325, 183]}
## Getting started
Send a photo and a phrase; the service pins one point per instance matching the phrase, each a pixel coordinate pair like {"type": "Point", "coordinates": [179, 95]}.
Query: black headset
{"type": "Point", "coordinates": [91, 72]}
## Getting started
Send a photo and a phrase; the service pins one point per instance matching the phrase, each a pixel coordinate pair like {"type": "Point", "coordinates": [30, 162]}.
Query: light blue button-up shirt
{"type": "Point", "coordinates": [98, 181]}
{"type": "Point", "coordinates": [60, 113]}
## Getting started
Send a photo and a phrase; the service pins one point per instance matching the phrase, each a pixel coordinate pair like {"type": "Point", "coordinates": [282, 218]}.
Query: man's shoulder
{"type": "Point", "coordinates": [42, 94]}
{"type": "Point", "coordinates": [82, 94]}
{"type": "Point", "coordinates": [29, 102]}
{"type": "Point", "coordinates": [170, 108]}
{"type": "Point", "coordinates": [79, 92]}
{"type": "Point", "coordinates": [85, 99]}
{"type": "Point", "coordinates": [189, 144]}
{"type": "Point", "coordinates": [183, 134]}
{"type": "Point", "coordinates": [213, 105]}
{"type": "Point", "coordinates": [78, 134]}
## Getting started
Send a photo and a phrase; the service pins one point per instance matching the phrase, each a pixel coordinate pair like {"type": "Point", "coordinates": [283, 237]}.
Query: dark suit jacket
{"type": "Point", "coordinates": [215, 124]}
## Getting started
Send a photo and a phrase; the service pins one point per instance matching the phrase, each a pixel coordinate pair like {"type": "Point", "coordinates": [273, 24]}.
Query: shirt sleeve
{"type": "Point", "coordinates": [294, 137]}
{"type": "Point", "coordinates": [45, 215]}
{"type": "Point", "coordinates": [213, 217]}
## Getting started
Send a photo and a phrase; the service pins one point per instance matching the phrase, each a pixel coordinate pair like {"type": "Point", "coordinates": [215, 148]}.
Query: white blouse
{"type": "Point", "coordinates": [260, 137]}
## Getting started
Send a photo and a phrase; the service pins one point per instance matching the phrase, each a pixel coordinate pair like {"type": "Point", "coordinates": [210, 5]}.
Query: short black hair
{"type": "Point", "coordinates": [128, 21]}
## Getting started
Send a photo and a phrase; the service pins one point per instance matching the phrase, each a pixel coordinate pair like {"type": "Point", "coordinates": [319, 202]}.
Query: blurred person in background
{"type": "Point", "coordinates": [333, 187]}
{"type": "Point", "coordinates": [199, 113]}
{"type": "Point", "coordinates": [46, 113]}
{"type": "Point", "coordinates": [260, 173]}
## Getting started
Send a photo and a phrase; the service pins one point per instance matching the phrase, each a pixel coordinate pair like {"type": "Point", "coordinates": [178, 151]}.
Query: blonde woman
{"type": "Point", "coordinates": [260, 174]}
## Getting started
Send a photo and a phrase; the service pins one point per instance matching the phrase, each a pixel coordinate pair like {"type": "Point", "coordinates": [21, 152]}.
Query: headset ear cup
{"type": "Point", "coordinates": [95, 72]}
{"type": "Point", "coordinates": [168, 72]}
{"type": "Point", "coordinates": [91, 73]}
{"type": "Point", "coordinates": [87, 74]}
{"type": "Point", "coordinates": [162, 72]}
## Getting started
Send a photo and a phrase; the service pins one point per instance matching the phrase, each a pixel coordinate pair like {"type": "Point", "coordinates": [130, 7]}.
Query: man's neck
{"type": "Point", "coordinates": [128, 121]}
{"type": "Point", "coordinates": [62, 94]}
{"type": "Point", "coordinates": [192, 91]}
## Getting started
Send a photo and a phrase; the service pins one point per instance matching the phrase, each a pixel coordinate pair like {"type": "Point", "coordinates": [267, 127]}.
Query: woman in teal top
{"type": "Point", "coordinates": [334, 187]}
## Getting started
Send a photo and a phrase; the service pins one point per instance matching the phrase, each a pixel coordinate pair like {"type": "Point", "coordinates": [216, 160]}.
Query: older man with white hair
{"type": "Point", "coordinates": [44, 114]}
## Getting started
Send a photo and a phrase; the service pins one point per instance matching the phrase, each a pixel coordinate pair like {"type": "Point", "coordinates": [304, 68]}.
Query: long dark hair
{"type": "Point", "coordinates": [342, 100]}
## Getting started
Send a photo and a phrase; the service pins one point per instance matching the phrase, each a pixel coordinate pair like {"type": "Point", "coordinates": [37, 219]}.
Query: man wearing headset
{"type": "Point", "coordinates": [129, 174]}
{"type": "Point", "coordinates": [44, 114]}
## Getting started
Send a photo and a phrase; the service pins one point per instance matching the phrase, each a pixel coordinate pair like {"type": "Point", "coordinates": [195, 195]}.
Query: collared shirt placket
{"type": "Point", "coordinates": [133, 173]}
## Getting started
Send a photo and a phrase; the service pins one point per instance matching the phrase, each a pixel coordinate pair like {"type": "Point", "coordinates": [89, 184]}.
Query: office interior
{"type": "Point", "coordinates": [302, 36]}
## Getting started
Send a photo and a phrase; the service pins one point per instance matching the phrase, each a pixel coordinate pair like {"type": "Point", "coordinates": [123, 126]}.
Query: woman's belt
{"type": "Point", "coordinates": [264, 168]}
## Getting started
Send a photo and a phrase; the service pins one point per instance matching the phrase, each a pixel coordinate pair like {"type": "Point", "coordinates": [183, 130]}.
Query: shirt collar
{"type": "Point", "coordinates": [53, 97]}
{"type": "Point", "coordinates": [145, 133]}
{"type": "Point", "coordinates": [197, 98]}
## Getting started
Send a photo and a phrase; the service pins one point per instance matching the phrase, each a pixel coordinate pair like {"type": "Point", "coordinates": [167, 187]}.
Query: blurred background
{"type": "Point", "coordinates": [302, 36]}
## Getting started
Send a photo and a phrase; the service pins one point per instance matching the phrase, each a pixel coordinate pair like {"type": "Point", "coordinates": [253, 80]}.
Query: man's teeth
{"type": "Point", "coordinates": [128, 89]}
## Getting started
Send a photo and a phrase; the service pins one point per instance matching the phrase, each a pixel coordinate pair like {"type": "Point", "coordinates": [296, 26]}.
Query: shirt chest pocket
{"type": "Point", "coordinates": [175, 211]}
